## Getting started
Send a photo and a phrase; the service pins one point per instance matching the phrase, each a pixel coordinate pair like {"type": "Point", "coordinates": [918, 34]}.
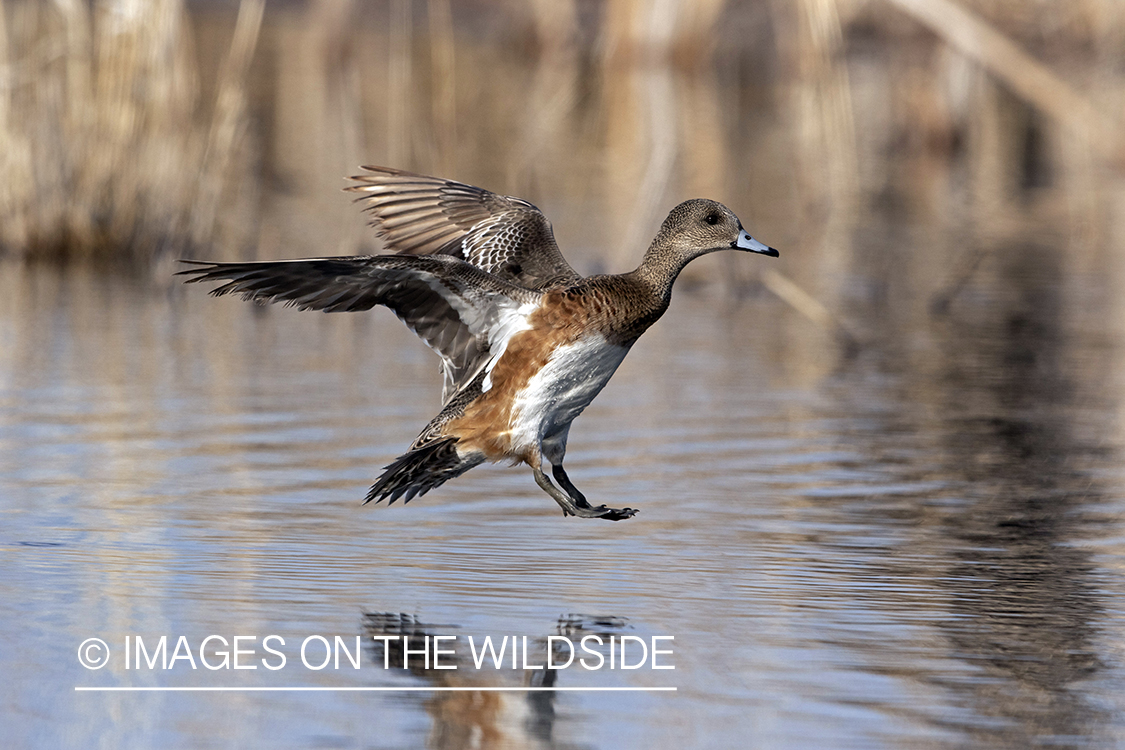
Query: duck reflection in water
{"type": "Point", "coordinates": [482, 717]}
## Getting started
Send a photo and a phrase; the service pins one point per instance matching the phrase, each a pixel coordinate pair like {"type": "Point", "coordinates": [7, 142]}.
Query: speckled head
{"type": "Point", "coordinates": [701, 226]}
{"type": "Point", "coordinates": [692, 229]}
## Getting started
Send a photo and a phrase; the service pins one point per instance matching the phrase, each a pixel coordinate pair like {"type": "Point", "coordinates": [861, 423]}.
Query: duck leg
{"type": "Point", "coordinates": [576, 505]}
{"type": "Point", "coordinates": [568, 486]}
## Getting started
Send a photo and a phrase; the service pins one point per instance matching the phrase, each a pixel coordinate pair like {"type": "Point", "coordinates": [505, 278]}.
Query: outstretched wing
{"type": "Point", "coordinates": [460, 311]}
{"type": "Point", "coordinates": [507, 237]}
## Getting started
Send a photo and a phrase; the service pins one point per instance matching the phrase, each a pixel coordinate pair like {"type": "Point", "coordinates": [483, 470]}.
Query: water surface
{"type": "Point", "coordinates": [886, 556]}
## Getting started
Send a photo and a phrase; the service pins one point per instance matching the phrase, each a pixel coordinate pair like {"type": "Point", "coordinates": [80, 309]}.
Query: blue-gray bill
{"type": "Point", "coordinates": [746, 242]}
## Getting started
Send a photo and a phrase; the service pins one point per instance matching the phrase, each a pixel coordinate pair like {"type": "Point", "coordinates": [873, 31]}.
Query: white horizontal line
{"type": "Point", "coordinates": [365, 689]}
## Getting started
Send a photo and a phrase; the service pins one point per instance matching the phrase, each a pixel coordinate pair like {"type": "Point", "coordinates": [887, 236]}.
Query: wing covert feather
{"type": "Point", "coordinates": [507, 237]}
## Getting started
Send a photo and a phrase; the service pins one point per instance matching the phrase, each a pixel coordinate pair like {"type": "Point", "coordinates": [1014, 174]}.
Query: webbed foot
{"type": "Point", "coordinates": [578, 506]}
{"type": "Point", "coordinates": [602, 511]}
{"type": "Point", "coordinates": [613, 514]}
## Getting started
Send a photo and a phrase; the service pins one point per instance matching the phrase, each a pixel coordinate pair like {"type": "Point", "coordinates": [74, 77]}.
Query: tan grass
{"type": "Point", "coordinates": [1032, 80]}
{"type": "Point", "coordinates": [107, 149]}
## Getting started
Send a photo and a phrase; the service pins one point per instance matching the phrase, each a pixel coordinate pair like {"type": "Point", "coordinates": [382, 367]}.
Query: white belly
{"type": "Point", "coordinates": [565, 386]}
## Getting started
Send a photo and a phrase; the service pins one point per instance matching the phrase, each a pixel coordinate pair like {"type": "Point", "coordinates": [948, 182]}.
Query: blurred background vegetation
{"type": "Point", "coordinates": [139, 130]}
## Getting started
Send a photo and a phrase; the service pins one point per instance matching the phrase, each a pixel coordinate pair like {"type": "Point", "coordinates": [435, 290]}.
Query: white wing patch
{"type": "Point", "coordinates": [509, 324]}
{"type": "Point", "coordinates": [494, 318]}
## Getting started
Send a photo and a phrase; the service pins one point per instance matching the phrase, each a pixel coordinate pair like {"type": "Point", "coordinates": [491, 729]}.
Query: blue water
{"type": "Point", "coordinates": [918, 546]}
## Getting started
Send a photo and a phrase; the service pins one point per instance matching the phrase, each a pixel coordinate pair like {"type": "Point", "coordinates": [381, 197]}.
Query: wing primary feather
{"type": "Point", "coordinates": [446, 301]}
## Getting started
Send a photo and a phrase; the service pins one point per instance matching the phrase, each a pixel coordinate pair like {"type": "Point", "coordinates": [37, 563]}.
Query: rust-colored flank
{"type": "Point", "coordinates": [526, 343]}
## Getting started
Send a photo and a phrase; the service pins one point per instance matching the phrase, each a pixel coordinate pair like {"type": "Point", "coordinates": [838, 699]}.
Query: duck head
{"type": "Point", "coordinates": [701, 226]}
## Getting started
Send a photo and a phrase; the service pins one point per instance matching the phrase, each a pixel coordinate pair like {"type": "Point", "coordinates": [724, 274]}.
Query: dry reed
{"type": "Point", "coordinates": [107, 153]}
{"type": "Point", "coordinates": [109, 149]}
{"type": "Point", "coordinates": [1032, 80]}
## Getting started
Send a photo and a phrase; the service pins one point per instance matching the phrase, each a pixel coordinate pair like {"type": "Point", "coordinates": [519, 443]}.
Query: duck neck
{"type": "Point", "coordinates": [659, 269]}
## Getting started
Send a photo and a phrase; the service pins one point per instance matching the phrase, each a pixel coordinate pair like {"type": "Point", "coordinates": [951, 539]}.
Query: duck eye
{"type": "Point", "coordinates": [712, 219]}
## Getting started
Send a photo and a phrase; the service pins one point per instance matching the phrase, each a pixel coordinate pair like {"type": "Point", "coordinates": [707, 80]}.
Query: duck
{"type": "Point", "coordinates": [526, 343]}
